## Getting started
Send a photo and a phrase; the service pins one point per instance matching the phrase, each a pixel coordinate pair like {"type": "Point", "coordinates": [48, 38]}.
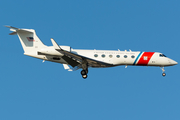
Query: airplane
{"type": "Point", "coordinates": [74, 59]}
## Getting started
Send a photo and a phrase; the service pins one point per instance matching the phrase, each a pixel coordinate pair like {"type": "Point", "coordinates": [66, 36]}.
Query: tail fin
{"type": "Point", "coordinates": [28, 38]}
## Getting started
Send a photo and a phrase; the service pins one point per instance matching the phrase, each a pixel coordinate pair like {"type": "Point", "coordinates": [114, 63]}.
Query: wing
{"type": "Point", "coordinates": [74, 59]}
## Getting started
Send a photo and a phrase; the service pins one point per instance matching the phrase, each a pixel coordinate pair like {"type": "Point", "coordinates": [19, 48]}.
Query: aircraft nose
{"type": "Point", "coordinates": [172, 62]}
{"type": "Point", "coordinates": [175, 63]}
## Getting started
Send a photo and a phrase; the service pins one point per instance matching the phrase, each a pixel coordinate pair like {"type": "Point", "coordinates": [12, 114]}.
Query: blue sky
{"type": "Point", "coordinates": [30, 89]}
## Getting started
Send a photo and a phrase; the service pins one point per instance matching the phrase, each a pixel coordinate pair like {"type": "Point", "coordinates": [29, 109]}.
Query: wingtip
{"type": "Point", "coordinates": [56, 46]}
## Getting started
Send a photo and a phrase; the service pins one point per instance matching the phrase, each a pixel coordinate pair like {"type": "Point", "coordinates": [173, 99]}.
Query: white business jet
{"type": "Point", "coordinates": [74, 59]}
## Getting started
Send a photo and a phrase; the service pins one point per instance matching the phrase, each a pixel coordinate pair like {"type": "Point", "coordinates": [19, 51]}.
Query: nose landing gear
{"type": "Point", "coordinates": [163, 74]}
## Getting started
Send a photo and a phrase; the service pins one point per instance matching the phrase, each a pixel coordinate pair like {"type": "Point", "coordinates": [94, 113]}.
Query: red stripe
{"type": "Point", "coordinates": [145, 58]}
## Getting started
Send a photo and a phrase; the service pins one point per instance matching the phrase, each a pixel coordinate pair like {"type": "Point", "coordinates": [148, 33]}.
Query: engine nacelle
{"type": "Point", "coordinates": [52, 51]}
{"type": "Point", "coordinates": [66, 48]}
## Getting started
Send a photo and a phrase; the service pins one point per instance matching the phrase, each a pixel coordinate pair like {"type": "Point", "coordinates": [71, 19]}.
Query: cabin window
{"type": "Point", "coordinates": [103, 55]}
{"type": "Point", "coordinates": [118, 56]}
{"type": "Point", "coordinates": [110, 56]}
{"type": "Point", "coordinates": [125, 56]}
{"type": "Point", "coordinates": [132, 56]}
{"type": "Point", "coordinates": [95, 55]}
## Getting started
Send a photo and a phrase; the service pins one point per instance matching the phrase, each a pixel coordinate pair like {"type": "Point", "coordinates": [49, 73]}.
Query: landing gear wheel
{"type": "Point", "coordinates": [163, 74]}
{"type": "Point", "coordinates": [84, 76]}
{"type": "Point", "coordinates": [83, 72]}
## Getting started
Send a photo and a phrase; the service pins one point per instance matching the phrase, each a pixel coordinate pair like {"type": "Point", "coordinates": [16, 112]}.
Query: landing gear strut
{"type": "Point", "coordinates": [163, 74]}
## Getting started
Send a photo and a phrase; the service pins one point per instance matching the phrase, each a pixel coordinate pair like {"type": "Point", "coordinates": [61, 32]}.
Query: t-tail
{"type": "Point", "coordinates": [29, 40]}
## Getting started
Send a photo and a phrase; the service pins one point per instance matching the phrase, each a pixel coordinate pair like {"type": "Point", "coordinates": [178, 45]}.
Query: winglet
{"type": "Point", "coordinates": [56, 46]}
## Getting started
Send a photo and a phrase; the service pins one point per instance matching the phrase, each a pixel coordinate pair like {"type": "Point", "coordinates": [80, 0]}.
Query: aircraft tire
{"type": "Point", "coordinates": [83, 72]}
{"type": "Point", "coordinates": [163, 74]}
{"type": "Point", "coordinates": [84, 76]}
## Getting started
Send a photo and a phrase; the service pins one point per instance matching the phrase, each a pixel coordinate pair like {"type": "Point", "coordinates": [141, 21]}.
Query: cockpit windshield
{"type": "Point", "coordinates": [162, 55]}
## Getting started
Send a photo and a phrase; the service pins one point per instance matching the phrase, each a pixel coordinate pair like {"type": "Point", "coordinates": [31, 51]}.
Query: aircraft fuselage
{"type": "Point", "coordinates": [113, 58]}
{"type": "Point", "coordinates": [83, 59]}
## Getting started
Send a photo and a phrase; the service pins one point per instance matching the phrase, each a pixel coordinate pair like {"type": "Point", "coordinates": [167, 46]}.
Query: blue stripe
{"type": "Point", "coordinates": [137, 58]}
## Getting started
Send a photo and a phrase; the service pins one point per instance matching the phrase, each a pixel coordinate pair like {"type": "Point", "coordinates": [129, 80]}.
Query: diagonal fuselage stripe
{"type": "Point", "coordinates": [137, 58]}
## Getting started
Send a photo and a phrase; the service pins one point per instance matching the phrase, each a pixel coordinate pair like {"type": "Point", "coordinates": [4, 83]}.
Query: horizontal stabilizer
{"type": "Point", "coordinates": [13, 33]}
{"type": "Point", "coordinates": [15, 30]}
{"type": "Point", "coordinates": [12, 27]}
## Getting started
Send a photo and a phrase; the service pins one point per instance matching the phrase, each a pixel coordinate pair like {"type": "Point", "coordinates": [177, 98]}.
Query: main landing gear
{"type": "Point", "coordinates": [163, 74]}
{"type": "Point", "coordinates": [84, 73]}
